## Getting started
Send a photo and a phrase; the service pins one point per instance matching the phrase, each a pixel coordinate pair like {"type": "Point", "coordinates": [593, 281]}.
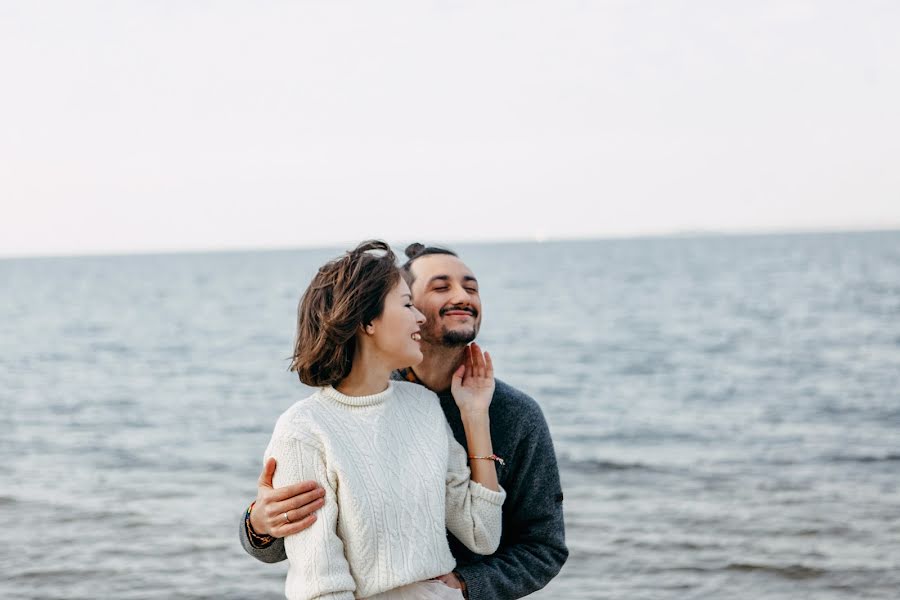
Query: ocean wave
{"type": "Point", "coordinates": [593, 465]}
{"type": "Point", "coordinates": [866, 458]}
{"type": "Point", "coordinates": [795, 571]}
{"type": "Point", "coordinates": [41, 575]}
{"type": "Point", "coordinates": [788, 572]}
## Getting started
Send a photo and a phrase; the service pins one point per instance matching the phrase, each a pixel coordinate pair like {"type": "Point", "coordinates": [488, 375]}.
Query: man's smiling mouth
{"type": "Point", "coordinates": [458, 312]}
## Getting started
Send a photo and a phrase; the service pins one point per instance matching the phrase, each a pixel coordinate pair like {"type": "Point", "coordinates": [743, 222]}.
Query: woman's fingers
{"type": "Point", "coordinates": [481, 363]}
{"type": "Point", "coordinates": [458, 375]}
{"type": "Point", "coordinates": [489, 365]}
{"type": "Point", "coordinates": [478, 361]}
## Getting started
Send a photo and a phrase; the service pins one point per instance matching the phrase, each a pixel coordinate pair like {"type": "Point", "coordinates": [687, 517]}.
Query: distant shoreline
{"type": "Point", "coordinates": [673, 235]}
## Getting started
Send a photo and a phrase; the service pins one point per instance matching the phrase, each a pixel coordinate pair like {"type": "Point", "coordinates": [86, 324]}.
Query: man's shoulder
{"type": "Point", "coordinates": [514, 405]}
{"type": "Point", "coordinates": [513, 397]}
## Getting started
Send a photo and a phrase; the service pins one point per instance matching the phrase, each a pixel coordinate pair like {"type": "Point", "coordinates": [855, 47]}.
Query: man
{"type": "Point", "coordinates": [532, 548]}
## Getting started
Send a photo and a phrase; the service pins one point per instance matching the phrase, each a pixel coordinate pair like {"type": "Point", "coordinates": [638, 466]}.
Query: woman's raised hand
{"type": "Point", "coordinates": [473, 382]}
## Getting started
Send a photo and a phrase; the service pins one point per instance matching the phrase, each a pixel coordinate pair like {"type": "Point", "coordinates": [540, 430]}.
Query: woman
{"type": "Point", "coordinates": [393, 474]}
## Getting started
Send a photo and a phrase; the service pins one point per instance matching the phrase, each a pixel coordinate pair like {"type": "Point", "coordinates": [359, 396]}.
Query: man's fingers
{"type": "Point", "coordinates": [317, 496]}
{"type": "Point", "coordinates": [289, 491]}
{"type": "Point", "coordinates": [276, 512]}
{"type": "Point", "coordinates": [293, 527]}
{"type": "Point", "coordinates": [306, 509]}
{"type": "Point", "coordinates": [265, 478]}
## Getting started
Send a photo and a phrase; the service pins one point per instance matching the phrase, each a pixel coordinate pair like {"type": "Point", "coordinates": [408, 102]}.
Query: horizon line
{"type": "Point", "coordinates": [534, 239]}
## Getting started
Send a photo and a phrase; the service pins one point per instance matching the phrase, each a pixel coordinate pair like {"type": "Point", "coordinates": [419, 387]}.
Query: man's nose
{"type": "Point", "coordinates": [459, 296]}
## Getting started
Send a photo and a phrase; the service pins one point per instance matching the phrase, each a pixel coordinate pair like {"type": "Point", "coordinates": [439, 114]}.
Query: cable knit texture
{"type": "Point", "coordinates": [394, 478]}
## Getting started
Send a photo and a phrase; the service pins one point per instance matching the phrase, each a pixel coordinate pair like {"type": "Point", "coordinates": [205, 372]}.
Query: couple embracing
{"type": "Point", "coordinates": [410, 473]}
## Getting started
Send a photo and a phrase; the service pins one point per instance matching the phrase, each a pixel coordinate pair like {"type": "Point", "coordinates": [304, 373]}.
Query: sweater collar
{"type": "Point", "coordinates": [372, 400]}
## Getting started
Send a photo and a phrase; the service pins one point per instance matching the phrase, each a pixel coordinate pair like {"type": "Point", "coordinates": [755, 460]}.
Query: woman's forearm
{"type": "Point", "coordinates": [478, 439]}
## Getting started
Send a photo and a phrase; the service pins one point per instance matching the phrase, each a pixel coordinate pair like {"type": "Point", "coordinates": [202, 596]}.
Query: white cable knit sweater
{"type": "Point", "coordinates": [394, 477]}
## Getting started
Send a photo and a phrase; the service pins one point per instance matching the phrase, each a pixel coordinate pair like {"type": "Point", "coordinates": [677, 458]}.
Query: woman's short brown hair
{"type": "Point", "coordinates": [347, 293]}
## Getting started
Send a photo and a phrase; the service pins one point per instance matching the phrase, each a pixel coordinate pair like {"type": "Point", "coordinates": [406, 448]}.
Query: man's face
{"type": "Point", "coordinates": [446, 292]}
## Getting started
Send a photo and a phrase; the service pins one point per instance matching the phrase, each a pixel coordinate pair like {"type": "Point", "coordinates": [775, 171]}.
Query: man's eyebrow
{"type": "Point", "coordinates": [465, 278]}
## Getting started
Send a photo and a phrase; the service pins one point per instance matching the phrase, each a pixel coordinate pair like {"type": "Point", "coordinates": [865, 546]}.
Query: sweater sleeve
{"type": "Point", "coordinates": [474, 513]}
{"type": "Point", "coordinates": [318, 568]}
{"type": "Point", "coordinates": [272, 553]}
{"type": "Point", "coordinates": [533, 549]}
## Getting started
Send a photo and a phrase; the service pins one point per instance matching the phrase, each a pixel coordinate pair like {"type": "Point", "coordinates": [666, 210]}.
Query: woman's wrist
{"type": "Point", "coordinates": [475, 419]}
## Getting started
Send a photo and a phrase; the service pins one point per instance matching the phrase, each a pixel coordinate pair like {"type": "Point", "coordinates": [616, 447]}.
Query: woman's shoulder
{"type": "Point", "coordinates": [418, 403]}
{"type": "Point", "coordinates": [301, 419]}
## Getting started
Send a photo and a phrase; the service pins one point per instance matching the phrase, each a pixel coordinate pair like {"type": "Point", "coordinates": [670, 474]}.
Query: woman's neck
{"type": "Point", "coordinates": [367, 377]}
{"type": "Point", "coordinates": [437, 368]}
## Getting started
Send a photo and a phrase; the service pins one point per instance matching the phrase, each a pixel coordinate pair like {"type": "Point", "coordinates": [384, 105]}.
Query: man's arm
{"type": "Point", "coordinates": [266, 518]}
{"type": "Point", "coordinates": [533, 548]}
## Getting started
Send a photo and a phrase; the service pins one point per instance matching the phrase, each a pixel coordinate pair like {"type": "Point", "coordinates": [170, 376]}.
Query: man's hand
{"type": "Point", "coordinates": [299, 501]}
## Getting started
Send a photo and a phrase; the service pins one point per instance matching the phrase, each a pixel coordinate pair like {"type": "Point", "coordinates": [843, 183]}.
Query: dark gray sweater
{"type": "Point", "coordinates": [532, 547]}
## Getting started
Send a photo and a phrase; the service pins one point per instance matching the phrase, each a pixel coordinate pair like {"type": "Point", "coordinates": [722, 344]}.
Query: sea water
{"type": "Point", "coordinates": [725, 410]}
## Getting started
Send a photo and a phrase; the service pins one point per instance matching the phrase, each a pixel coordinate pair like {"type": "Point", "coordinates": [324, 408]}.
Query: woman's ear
{"type": "Point", "coordinates": [368, 328]}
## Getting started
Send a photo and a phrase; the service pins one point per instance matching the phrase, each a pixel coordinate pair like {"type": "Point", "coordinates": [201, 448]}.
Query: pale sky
{"type": "Point", "coordinates": [131, 126]}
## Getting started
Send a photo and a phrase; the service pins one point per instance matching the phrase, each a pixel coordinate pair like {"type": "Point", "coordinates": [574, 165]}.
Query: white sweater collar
{"type": "Point", "coordinates": [379, 398]}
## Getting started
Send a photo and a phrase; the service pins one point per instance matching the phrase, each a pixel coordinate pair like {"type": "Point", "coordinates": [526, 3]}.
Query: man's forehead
{"type": "Point", "coordinates": [435, 265]}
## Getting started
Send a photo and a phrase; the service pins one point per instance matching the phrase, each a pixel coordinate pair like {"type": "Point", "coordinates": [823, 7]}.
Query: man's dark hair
{"type": "Point", "coordinates": [347, 293]}
{"type": "Point", "coordinates": [417, 250]}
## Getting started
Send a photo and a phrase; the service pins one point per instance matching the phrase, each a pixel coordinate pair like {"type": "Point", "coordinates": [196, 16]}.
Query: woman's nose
{"type": "Point", "coordinates": [420, 318]}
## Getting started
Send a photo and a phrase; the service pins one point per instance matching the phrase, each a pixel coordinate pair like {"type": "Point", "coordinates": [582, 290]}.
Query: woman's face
{"type": "Point", "coordinates": [395, 332]}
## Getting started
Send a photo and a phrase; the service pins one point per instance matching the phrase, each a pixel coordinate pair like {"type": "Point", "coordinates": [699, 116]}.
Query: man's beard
{"type": "Point", "coordinates": [454, 338]}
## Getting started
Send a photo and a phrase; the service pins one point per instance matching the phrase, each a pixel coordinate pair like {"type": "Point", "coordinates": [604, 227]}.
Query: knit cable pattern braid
{"type": "Point", "coordinates": [394, 478]}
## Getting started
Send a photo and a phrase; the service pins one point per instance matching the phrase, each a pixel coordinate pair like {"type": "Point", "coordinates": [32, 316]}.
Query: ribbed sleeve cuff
{"type": "Point", "coordinates": [270, 554]}
{"type": "Point", "coordinates": [481, 492]}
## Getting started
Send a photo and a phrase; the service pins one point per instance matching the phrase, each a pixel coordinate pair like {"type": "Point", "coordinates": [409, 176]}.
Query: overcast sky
{"type": "Point", "coordinates": [143, 126]}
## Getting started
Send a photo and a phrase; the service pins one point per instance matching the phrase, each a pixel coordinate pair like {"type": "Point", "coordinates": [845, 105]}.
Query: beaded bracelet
{"type": "Point", "coordinates": [492, 457]}
{"type": "Point", "coordinates": [256, 540]}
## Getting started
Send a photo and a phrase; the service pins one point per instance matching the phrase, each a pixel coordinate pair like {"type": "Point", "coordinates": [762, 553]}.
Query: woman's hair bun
{"type": "Point", "coordinates": [414, 249]}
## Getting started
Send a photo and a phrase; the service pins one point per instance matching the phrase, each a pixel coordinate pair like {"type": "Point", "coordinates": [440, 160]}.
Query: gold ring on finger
{"type": "Point", "coordinates": [286, 518]}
